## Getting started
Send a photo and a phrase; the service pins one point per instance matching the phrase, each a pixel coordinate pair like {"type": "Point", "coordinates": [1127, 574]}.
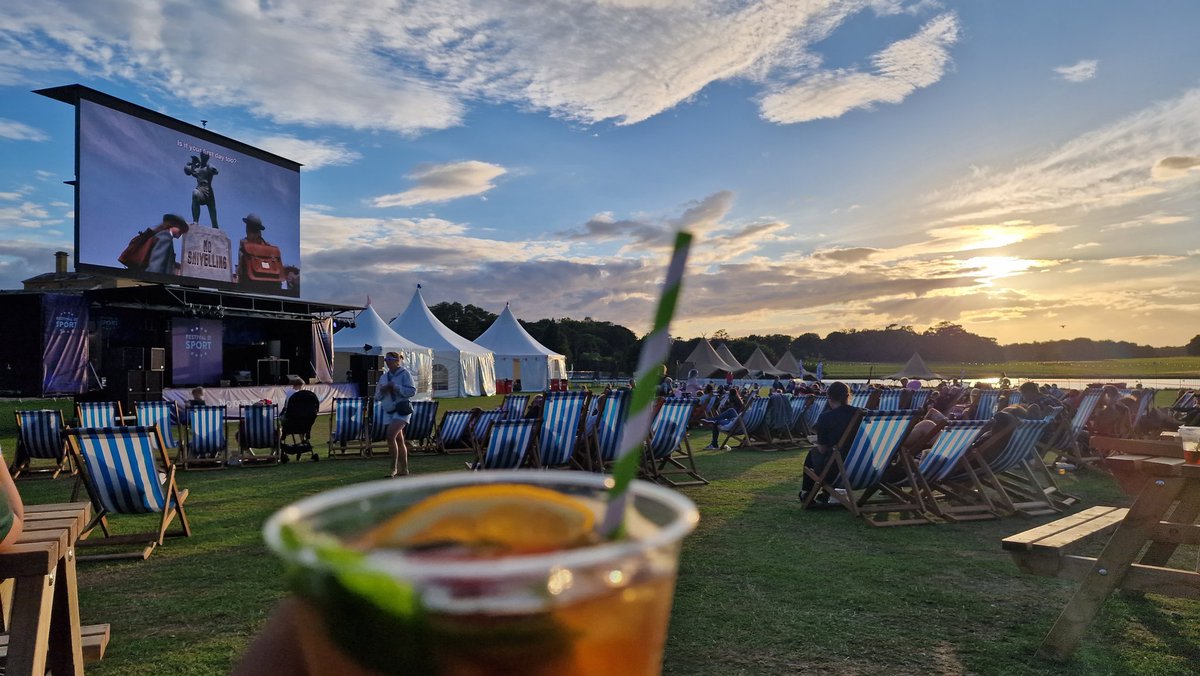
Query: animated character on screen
{"type": "Point", "coordinates": [260, 266]}
{"type": "Point", "coordinates": [203, 194]}
{"type": "Point", "coordinates": [153, 249]}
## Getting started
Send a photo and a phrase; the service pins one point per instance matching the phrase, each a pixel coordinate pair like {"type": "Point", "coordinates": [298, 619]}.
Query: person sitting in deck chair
{"type": "Point", "coordinates": [830, 429]}
{"type": "Point", "coordinates": [733, 408]}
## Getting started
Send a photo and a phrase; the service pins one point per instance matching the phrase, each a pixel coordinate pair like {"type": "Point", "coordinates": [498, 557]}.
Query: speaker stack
{"type": "Point", "coordinates": [136, 374]}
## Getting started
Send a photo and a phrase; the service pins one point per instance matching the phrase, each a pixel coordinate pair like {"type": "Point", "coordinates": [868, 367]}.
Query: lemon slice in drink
{"type": "Point", "coordinates": [493, 519]}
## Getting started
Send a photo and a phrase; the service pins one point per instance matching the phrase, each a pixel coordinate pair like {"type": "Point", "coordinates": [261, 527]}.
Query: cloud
{"type": "Point", "coordinates": [311, 153]}
{"type": "Point", "coordinates": [15, 131]}
{"type": "Point", "coordinates": [898, 71]}
{"type": "Point", "coordinates": [444, 182]}
{"type": "Point", "coordinates": [699, 217]}
{"type": "Point", "coordinates": [1175, 166]}
{"type": "Point", "coordinates": [1081, 71]}
{"type": "Point", "coordinates": [850, 255]}
{"type": "Point", "coordinates": [1149, 260]}
{"type": "Point", "coordinates": [1086, 245]}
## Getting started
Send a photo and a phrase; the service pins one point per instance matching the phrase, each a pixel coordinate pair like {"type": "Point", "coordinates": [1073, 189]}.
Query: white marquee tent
{"type": "Point", "coordinates": [460, 368]}
{"type": "Point", "coordinates": [370, 335]}
{"type": "Point", "coordinates": [519, 356]}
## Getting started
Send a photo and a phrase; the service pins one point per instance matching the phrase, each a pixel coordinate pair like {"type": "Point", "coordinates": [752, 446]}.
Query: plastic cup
{"type": "Point", "coordinates": [599, 609]}
{"type": "Point", "coordinates": [1189, 438]}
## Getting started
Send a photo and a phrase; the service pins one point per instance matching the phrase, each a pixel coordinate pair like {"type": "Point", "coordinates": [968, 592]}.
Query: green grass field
{"type": "Point", "coordinates": [1124, 369]}
{"type": "Point", "coordinates": [764, 588]}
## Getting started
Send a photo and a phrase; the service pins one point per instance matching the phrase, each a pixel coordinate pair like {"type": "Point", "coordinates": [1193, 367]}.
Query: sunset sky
{"type": "Point", "coordinates": [1027, 169]}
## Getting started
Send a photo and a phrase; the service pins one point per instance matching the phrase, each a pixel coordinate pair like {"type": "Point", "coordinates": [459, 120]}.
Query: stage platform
{"type": "Point", "coordinates": [233, 397]}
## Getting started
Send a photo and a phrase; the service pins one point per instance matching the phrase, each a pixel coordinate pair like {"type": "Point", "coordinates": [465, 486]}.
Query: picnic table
{"type": "Point", "coordinates": [41, 602]}
{"type": "Point", "coordinates": [1163, 516]}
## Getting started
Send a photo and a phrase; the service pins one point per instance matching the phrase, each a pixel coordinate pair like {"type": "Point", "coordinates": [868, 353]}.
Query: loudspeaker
{"type": "Point", "coordinates": [153, 380]}
{"type": "Point", "coordinates": [125, 359]}
{"type": "Point", "coordinates": [158, 359]}
{"type": "Point", "coordinates": [135, 381]}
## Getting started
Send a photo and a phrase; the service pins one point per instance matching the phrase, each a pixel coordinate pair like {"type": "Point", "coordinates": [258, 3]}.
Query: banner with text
{"type": "Point", "coordinates": [64, 344]}
{"type": "Point", "coordinates": [196, 356]}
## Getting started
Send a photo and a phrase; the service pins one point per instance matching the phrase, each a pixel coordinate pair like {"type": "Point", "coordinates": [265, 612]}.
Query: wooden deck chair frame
{"type": "Point", "coordinates": [951, 487]}
{"type": "Point", "coordinates": [104, 456]}
{"type": "Point", "coordinates": [163, 413]}
{"type": "Point", "coordinates": [514, 406]}
{"type": "Point", "coordinates": [1017, 476]}
{"type": "Point", "coordinates": [604, 442]}
{"type": "Point", "coordinates": [259, 423]}
{"type": "Point", "coordinates": [41, 436]}
{"type": "Point", "coordinates": [211, 437]}
{"type": "Point", "coordinates": [453, 434]}
{"type": "Point", "coordinates": [872, 443]}
{"type": "Point", "coordinates": [348, 427]}
{"type": "Point", "coordinates": [509, 444]}
{"type": "Point", "coordinates": [1067, 445]}
{"type": "Point", "coordinates": [419, 432]}
{"type": "Point", "coordinates": [667, 453]}
{"type": "Point", "coordinates": [749, 423]}
{"type": "Point", "coordinates": [561, 431]}
{"type": "Point", "coordinates": [92, 414]}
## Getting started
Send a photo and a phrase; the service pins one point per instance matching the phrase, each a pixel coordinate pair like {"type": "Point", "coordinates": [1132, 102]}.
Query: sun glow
{"type": "Point", "coordinates": [990, 268]}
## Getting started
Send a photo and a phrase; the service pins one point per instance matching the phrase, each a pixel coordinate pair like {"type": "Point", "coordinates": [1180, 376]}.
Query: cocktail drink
{"type": "Point", "coordinates": [1189, 437]}
{"type": "Point", "coordinates": [482, 573]}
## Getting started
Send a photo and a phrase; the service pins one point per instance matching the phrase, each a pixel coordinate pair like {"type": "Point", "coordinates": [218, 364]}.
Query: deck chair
{"type": "Point", "coordinates": [481, 428]}
{"type": "Point", "coordinates": [860, 399]}
{"type": "Point", "coordinates": [1067, 444]}
{"type": "Point", "coordinates": [375, 431]}
{"type": "Point", "coordinates": [919, 397]}
{"type": "Point", "coordinates": [418, 434]}
{"type": "Point", "coordinates": [205, 440]}
{"type": "Point", "coordinates": [558, 437]}
{"type": "Point", "coordinates": [989, 400]}
{"type": "Point", "coordinates": [120, 468]}
{"type": "Point", "coordinates": [743, 428]}
{"type": "Point", "coordinates": [1014, 397]}
{"type": "Point", "coordinates": [889, 399]}
{"type": "Point", "coordinates": [40, 437]}
{"type": "Point", "coordinates": [667, 453]}
{"type": "Point", "coordinates": [99, 413]}
{"type": "Point", "coordinates": [514, 406]}
{"type": "Point", "coordinates": [798, 428]}
{"type": "Point", "coordinates": [950, 485]}
{"type": "Point", "coordinates": [508, 444]}
{"type": "Point", "coordinates": [454, 433]}
{"type": "Point", "coordinates": [814, 411]}
{"type": "Point", "coordinates": [347, 427]}
{"type": "Point", "coordinates": [605, 441]}
{"type": "Point", "coordinates": [165, 414]}
{"type": "Point", "coordinates": [854, 476]}
{"type": "Point", "coordinates": [1017, 476]}
{"type": "Point", "coordinates": [259, 428]}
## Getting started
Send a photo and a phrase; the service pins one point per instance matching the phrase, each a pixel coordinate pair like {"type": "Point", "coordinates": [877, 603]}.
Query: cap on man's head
{"type": "Point", "coordinates": [254, 222]}
{"type": "Point", "coordinates": [392, 356]}
{"type": "Point", "coordinates": [175, 221]}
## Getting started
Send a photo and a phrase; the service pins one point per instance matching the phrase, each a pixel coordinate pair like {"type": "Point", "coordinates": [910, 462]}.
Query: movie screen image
{"type": "Point", "coordinates": [166, 206]}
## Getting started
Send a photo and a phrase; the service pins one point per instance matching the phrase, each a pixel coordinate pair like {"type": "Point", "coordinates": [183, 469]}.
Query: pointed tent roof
{"type": "Point", "coordinates": [370, 329]}
{"type": "Point", "coordinates": [789, 365]}
{"type": "Point", "coordinates": [759, 362]}
{"type": "Point", "coordinates": [706, 360]}
{"type": "Point", "coordinates": [507, 337]}
{"type": "Point", "coordinates": [419, 324]}
{"type": "Point", "coordinates": [728, 358]}
{"type": "Point", "coordinates": [915, 368]}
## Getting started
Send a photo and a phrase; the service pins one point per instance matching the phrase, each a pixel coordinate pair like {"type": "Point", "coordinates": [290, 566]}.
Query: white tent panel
{"type": "Point", "coordinates": [460, 368]}
{"type": "Point", "coordinates": [519, 356]}
{"type": "Point", "coordinates": [370, 335]}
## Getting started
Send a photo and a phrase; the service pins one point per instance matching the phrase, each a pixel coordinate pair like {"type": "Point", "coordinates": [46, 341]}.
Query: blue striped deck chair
{"type": "Point", "coordinates": [667, 453]}
{"type": "Point", "coordinates": [989, 400]}
{"type": "Point", "coordinates": [259, 428]}
{"type": "Point", "coordinates": [205, 443]}
{"type": "Point", "coordinates": [1145, 397]}
{"type": "Point", "coordinates": [798, 404]}
{"type": "Point", "coordinates": [814, 411]}
{"type": "Point", "coordinates": [418, 434]}
{"type": "Point", "coordinates": [508, 443]}
{"type": "Point", "coordinates": [40, 437]}
{"type": "Point", "coordinates": [126, 470]}
{"type": "Point", "coordinates": [750, 423]}
{"type": "Point", "coordinates": [870, 446]}
{"type": "Point", "coordinates": [860, 398]}
{"type": "Point", "coordinates": [481, 429]}
{"type": "Point", "coordinates": [1018, 477]}
{"type": "Point", "coordinates": [944, 474]}
{"type": "Point", "coordinates": [375, 432]}
{"type": "Point", "coordinates": [919, 397]}
{"type": "Point", "coordinates": [454, 434]}
{"type": "Point", "coordinates": [99, 413]}
{"type": "Point", "coordinates": [1014, 397]}
{"type": "Point", "coordinates": [1068, 445]}
{"type": "Point", "coordinates": [347, 427]}
{"type": "Point", "coordinates": [161, 413]}
{"type": "Point", "coordinates": [514, 406]}
{"type": "Point", "coordinates": [889, 399]}
{"type": "Point", "coordinates": [559, 435]}
{"type": "Point", "coordinates": [606, 440]}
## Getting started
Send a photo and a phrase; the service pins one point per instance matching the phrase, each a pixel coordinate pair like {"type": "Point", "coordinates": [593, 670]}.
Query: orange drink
{"type": "Point", "coordinates": [482, 573]}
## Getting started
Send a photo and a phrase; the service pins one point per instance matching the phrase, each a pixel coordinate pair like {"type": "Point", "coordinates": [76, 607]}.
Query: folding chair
{"type": "Point", "coordinates": [668, 453]}
{"type": "Point", "coordinates": [205, 443]}
{"type": "Point", "coordinates": [259, 428]}
{"type": "Point", "coordinates": [748, 423]}
{"type": "Point", "coordinates": [1019, 478]}
{"type": "Point", "coordinates": [40, 437]}
{"type": "Point", "coordinates": [507, 443]}
{"type": "Point", "coordinates": [418, 434]}
{"type": "Point", "coordinates": [860, 399]}
{"type": "Point", "coordinates": [375, 431]}
{"type": "Point", "coordinates": [165, 414]}
{"type": "Point", "coordinates": [454, 434]}
{"type": "Point", "coordinates": [605, 440]}
{"type": "Point", "coordinates": [889, 399]}
{"type": "Point", "coordinates": [854, 476]}
{"type": "Point", "coordinates": [481, 427]}
{"type": "Point", "coordinates": [120, 468]}
{"type": "Point", "coordinates": [798, 404]}
{"type": "Point", "coordinates": [919, 397]}
{"type": "Point", "coordinates": [813, 412]}
{"type": "Point", "coordinates": [514, 406]}
{"type": "Point", "coordinates": [951, 487]}
{"type": "Point", "coordinates": [347, 427]}
{"type": "Point", "coordinates": [989, 400]}
{"type": "Point", "coordinates": [99, 413]}
{"type": "Point", "coordinates": [558, 437]}
{"type": "Point", "coordinates": [1067, 444]}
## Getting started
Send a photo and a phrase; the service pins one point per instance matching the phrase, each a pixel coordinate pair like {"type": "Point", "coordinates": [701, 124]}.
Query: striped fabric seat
{"type": "Point", "coordinates": [482, 427]}
{"type": "Point", "coordinates": [743, 427]}
{"type": "Point", "coordinates": [98, 413]}
{"type": "Point", "coordinates": [453, 434]}
{"type": "Point", "coordinates": [378, 422]}
{"type": "Point", "coordinates": [514, 406]}
{"type": "Point", "coordinates": [421, 425]}
{"type": "Point", "coordinates": [161, 413]}
{"type": "Point", "coordinates": [347, 426]}
{"type": "Point", "coordinates": [1019, 478]}
{"type": "Point", "coordinates": [39, 436]}
{"type": "Point", "coordinates": [508, 442]}
{"type": "Point", "coordinates": [610, 425]}
{"type": "Point", "coordinates": [860, 398]}
{"type": "Point", "coordinates": [206, 438]}
{"type": "Point", "coordinates": [1087, 405]}
{"type": "Point", "coordinates": [559, 433]}
{"type": "Point", "coordinates": [798, 404]}
{"type": "Point", "coordinates": [1014, 397]}
{"type": "Point", "coordinates": [668, 458]}
{"type": "Point", "coordinates": [121, 471]}
{"type": "Point", "coordinates": [951, 446]}
{"type": "Point", "coordinates": [874, 447]}
{"type": "Point", "coordinates": [889, 400]}
{"type": "Point", "coordinates": [919, 397]}
{"type": "Point", "coordinates": [814, 411]}
{"type": "Point", "coordinates": [988, 401]}
{"type": "Point", "coordinates": [259, 428]}
{"type": "Point", "coordinates": [1021, 445]}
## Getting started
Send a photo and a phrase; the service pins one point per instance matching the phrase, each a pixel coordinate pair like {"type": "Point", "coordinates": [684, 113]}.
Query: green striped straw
{"type": "Point", "coordinates": [655, 350]}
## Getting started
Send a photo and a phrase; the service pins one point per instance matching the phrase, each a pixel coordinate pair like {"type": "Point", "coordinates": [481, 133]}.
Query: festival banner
{"type": "Point", "coordinates": [64, 344]}
{"type": "Point", "coordinates": [196, 355]}
{"type": "Point", "coordinates": [322, 350]}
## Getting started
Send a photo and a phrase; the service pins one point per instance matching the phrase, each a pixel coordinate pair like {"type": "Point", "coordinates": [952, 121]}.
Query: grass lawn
{"type": "Point", "coordinates": [1130, 369]}
{"type": "Point", "coordinates": [763, 589]}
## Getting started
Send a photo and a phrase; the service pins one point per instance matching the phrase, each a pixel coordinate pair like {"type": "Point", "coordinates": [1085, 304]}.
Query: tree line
{"type": "Point", "coordinates": [591, 345]}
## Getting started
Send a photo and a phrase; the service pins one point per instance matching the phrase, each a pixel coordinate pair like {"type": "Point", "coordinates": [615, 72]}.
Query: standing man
{"type": "Point", "coordinates": [203, 194]}
{"type": "Point", "coordinates": [394, 389]}
{"type": "Point", "coordinates": [162, 253]}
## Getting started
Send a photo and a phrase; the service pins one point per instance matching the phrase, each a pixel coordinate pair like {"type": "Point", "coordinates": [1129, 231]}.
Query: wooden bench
{"type": "Point", "coordinates": [1045, 550]}
{"type": "Point", "coordinates": [94, 640]}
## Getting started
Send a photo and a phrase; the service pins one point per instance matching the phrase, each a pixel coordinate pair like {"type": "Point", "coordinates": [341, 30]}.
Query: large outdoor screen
{"type": "Point", "coordinates": [158, 203]}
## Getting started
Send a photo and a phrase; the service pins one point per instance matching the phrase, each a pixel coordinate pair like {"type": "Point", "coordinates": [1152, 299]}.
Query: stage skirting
{"type": "Point", "coordinates": [233, 397]}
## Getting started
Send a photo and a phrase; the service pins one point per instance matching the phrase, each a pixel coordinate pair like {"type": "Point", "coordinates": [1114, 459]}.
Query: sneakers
{"type": "Point", "coordinates": [710, 447]}
{"type": "Point", "coordinates": [725, 448]}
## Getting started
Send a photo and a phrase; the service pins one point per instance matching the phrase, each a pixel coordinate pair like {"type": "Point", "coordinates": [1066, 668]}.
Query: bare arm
{"type": "Point", "coordinates": [9, 493]}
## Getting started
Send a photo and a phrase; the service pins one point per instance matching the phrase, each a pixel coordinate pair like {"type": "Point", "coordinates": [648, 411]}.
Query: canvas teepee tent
{"type": "Point", "coordinates": [370, 335]}
{"type": "Point", "coordinates": [728, 358]}
{"type": "Point", "coordinates": [789, 365]}
{"type": "Point", "coordinates": [519, 356]}
{"type": "Point", "coordinates": [460, 368]}
{"type": "Point", "coordinates": [758, 363]}
{"type": "Point", "coordinates": [916, 368]}
{"type": "Point", "coordinates": [706, 361]}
